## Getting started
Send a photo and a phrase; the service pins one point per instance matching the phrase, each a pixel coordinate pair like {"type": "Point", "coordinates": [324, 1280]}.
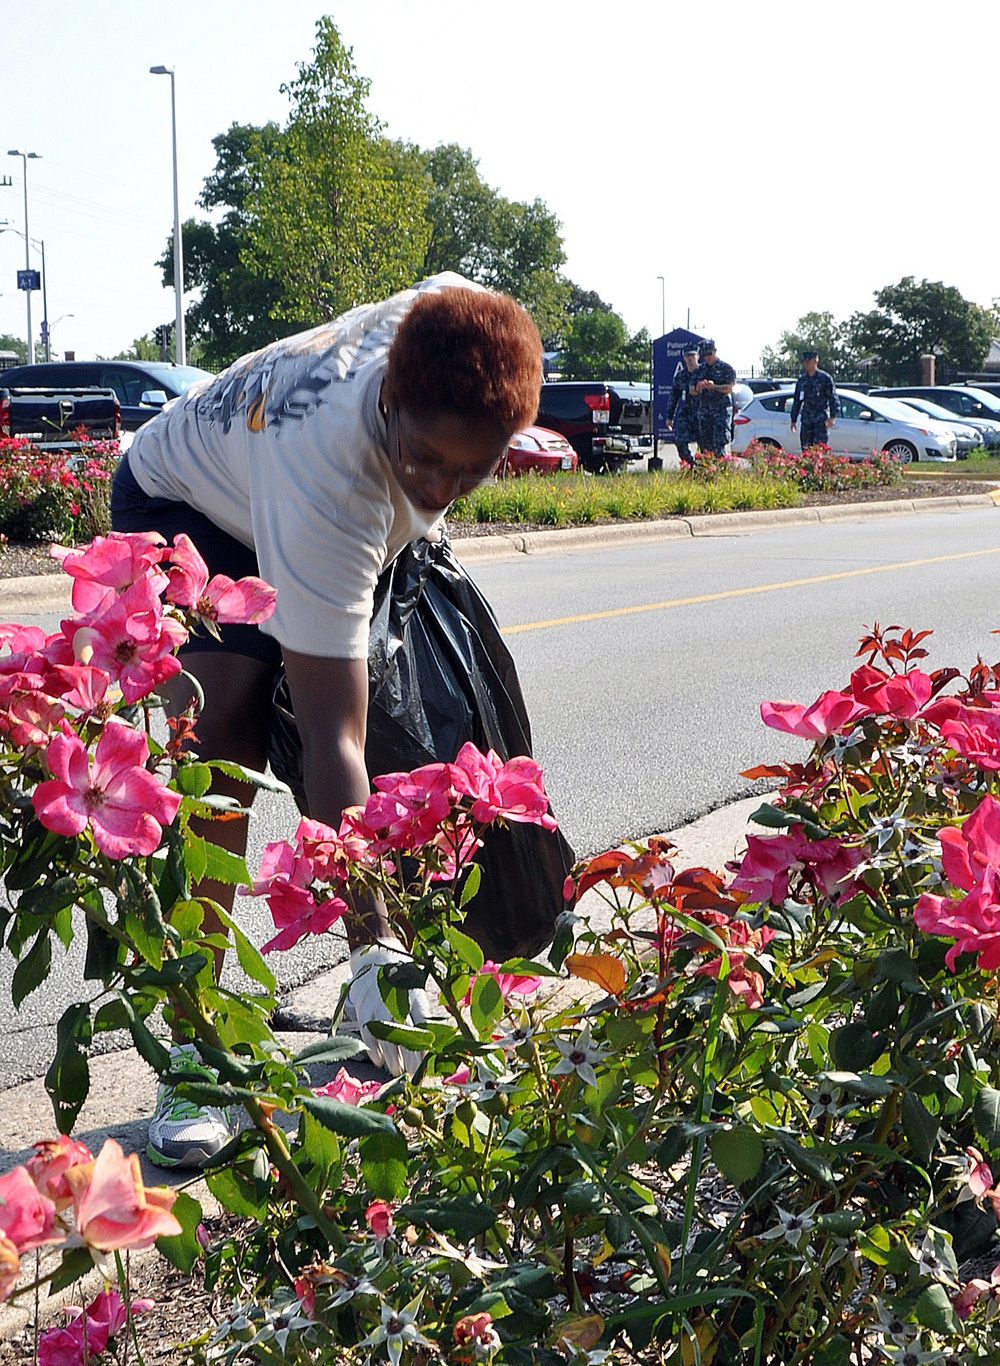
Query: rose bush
{"type": "Point", "coordinates": [821, 470]}
{"type": "Point", "coordinates": [47, 495]}
{"type": "Point", "coordinates": [735, 1117]}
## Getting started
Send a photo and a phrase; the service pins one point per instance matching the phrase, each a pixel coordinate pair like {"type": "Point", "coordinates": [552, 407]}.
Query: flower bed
{"type": "Point", "coordinates": [55, 495]}
{"type": "Point", "coordinates": [818, 469]}
{"type": "Point", "coordinates": [743, 1117]}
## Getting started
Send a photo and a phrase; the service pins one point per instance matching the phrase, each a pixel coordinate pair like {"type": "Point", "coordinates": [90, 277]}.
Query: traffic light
{"type": "Point", "coordinates": [45, 330]}
{"type": "Point", "coordinates": [163, 334]}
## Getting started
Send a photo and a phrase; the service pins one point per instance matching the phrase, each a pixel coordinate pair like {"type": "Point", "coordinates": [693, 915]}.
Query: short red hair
{"type": "Point", "coordinates": [469, 352]}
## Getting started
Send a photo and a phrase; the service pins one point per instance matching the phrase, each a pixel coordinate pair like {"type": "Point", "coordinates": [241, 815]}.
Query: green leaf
{"type": "Point", "coordinates": [196, 857]}
{"type": "Point", "coordinates": [112, 1015]}
{"type": "Point", "coordinates": [738, 1153]}
{"type": "Point", "coordinates": [194, 780]}
{"type": "Point", "coordinates": [76, 1262]}
{"type": "Point", "coordinates": [837, 1351]}
{"type": "Point", "coordinates": [321, 1145]}
{"type": "Point", "coordinates": [487, 1003]}
{"type": "Point", "coordinates": [183, 1249]}
{"type": "Point", "coordinates": [986, 1112]}
{"type": "Point", "coordinates": [350, 1121]}
{"type": "Point", "coordinates": [265, 781]}
{"type": "Point", "coordinates": [469, 890]}
{"type": "Point", "coordinates": [875, 1245]}
{"type": "Point", "coordinates": [772, 817]}
{"type": "Point", "coordinates": [808, 1161]}
{"type": "Point", "coordinates": [920, 1128]}
{"type": "Point", "coordinates": [252, 962]}
{"type": "Point", "coordinates": [383, 1163]}
{"type": "Point", "coordinates": [33, 969]}
{"type": "Point", "coordinates": [465, 1216]}
{"type": "Point", "coordinates": [236, 1193]}
{"type": "Point", "coordinates": [855, 1043]}
{"type": "Point", "coordinates": [934, 1310]}
{"type": "Point", "coordinates": [68, 1079]}
{"type": "Point", "coordinates": [186, 918]}
{"type": "Point", "coordinates": [466, 949]}
{"type": "Point", "coordinates": [675, 1144]}
{"type": "Point", "coordinates": [407, 1036]}
{"type": "Point", "coordinates": [862, 1084]}
{"type": "Point", "coordinates": [222, 866]}
{"type": "Point", "coordinates": [101, 958]}
{"type": "Point", "coordinates": [149, 1048]}
{"type": "Point", "coordinates": [339, 1048]}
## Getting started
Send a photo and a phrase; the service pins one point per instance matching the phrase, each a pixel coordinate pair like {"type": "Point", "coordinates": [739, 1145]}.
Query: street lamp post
{"type": "Point", "coordinates": [25, 158]}
{"type": "Point", "coordinates": [663, 306]}
{"type": "Point", "coordinates": [180, 347]}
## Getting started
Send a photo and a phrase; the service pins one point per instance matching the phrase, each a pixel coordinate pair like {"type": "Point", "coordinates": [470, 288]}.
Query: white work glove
{"type": "Point", "coordinates": [364, 995]}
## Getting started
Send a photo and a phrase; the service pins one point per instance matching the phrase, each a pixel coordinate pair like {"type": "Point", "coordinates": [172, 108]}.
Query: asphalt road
{"type": "Point", "coordinates": [645, 713]}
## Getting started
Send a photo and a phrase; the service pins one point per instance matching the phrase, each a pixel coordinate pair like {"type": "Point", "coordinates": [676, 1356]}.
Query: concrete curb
{"type": "Point", "coordinates": [40, 593]}
{"type": "Point", "coordinates": [482, 549]}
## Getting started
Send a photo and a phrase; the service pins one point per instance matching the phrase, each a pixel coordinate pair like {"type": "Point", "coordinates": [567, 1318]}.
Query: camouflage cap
{"type": "Point", "coordinates": [810, 355]}
{"type": "Point", "coordinates": [689, 349]}
{"type": "Point", "coordinates": [707, 347]}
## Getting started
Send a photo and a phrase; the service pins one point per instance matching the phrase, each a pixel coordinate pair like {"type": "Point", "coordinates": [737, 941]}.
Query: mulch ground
{"type": "Point", "coordinates": [17, 561]}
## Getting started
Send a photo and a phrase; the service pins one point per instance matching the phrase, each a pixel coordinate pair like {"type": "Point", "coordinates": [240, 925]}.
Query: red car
{"type": "Point", "coordinates": [538, 449]}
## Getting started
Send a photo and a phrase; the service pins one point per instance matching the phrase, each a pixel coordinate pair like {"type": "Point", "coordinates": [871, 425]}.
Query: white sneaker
{"type": "Point", "coordinates": [182, 1133]}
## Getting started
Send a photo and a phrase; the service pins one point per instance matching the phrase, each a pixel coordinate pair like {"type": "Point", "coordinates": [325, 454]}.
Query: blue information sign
{"type": "Point", "coordinates": [28, 279]}
{"type": "Point", "coordinates": [667, 360]}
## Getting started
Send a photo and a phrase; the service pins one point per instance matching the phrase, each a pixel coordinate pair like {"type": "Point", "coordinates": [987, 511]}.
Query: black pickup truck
{"type": "Point", "coordinates": [50, 417]}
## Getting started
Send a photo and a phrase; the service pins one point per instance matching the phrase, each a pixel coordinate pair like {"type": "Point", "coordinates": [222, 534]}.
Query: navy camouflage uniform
{"type": "Point", "coordinates": [816, 398]}
{"type": "Point", "coordinates": [713, 409]}
{"type": "Point", "coordinates": [682, 411]}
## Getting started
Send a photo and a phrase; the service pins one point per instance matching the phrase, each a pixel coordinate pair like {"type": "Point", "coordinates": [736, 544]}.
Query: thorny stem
{"type": "Point", "coordinates": [274, 1138]}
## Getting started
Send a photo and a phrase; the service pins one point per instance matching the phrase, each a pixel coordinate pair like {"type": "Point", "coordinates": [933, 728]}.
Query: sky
{"type": "Point", "coordinates": [765, 162]}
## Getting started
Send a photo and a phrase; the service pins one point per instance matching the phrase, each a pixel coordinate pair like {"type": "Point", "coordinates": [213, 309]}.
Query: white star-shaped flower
{"type": "Point", "coordinates": [579, 1055]}
{"type": "Point", "coordinates": [793, 1227]}
{"type": "Point", "coordinates": [398, 1327]}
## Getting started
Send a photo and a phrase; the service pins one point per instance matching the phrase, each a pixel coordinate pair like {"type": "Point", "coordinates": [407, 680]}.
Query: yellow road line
{"type": "Point", "coordinates": [743, 592]}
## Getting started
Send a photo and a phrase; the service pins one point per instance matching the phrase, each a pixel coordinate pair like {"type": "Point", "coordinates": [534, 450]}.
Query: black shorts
{"type": "Point", "coordinates": [133, 510]}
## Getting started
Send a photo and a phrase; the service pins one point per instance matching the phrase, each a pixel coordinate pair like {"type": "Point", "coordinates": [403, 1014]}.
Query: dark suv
{"type": "Point", "coordinates": [143, 387]}
{"type": "Point", "coordinates": [600, 420]}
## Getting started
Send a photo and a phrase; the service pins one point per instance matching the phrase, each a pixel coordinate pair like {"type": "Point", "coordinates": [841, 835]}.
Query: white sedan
{"type": "Point", "coordinates": [866, 425]}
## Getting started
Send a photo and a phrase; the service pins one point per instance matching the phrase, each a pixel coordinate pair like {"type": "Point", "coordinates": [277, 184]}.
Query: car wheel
{"type": "Point", "coordinates": [771, 445]}
{"type": "Point", "coordinates": [901, 451]}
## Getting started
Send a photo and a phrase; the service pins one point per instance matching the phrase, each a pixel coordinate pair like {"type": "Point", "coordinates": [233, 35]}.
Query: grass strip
{"type": "Point", "coordinates": [577, 500]}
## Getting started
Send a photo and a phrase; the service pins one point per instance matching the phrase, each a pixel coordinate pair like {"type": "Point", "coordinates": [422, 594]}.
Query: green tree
{"type": "Point", "coordinates": [816, 331]}
{"type": "Point", "coordinates": [18, 344]}
{"type": "Point", "coordinates": [336, 216]}
{"type": "Point", "coordinates": [598, 346]}
{"type": "Point", "coordinates": [928, 317]}
{"type": "Point", "coordinates": [504, 244]}
{"type": "Point", "coordinates": [145, 347]}
{"type": "Point", "coordinates": [238, 300]}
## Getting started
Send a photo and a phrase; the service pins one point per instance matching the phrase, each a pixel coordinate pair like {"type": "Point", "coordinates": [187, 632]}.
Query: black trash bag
{"type": "Point", "coordinates": [440, 675]}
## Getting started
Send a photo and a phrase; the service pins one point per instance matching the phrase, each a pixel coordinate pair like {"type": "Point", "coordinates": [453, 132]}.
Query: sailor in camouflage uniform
{"type": "Point", "coordinates": [816, 399]}
{"type": "Point", "coordinates": [682, 408]}
{"type": "Point", "coordinates": [712, 384]}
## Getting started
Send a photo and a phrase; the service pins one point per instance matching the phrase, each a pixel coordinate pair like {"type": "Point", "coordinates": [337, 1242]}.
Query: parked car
{"type": "Point", "coordinates": [142, 387]}
{"type": "Point", "coordinates": [987, 386]}
{"type": "Point", "coordinates": [962, 400]}
{"type": "Point", "coordinates": [865, 425]}
{"type": "Point", "coordinates": [52, 418]}
{"type": "Point", "coordinates": [601, 420]}
{"type": "Point", "coordinates": [536, 448]}
{"type": "Point", "coordinates": [971, 434]}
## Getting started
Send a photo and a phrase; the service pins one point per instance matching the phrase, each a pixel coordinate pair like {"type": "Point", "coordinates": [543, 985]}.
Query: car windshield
{"type": "Point", "coordinates": [924, 405]}
{"type": "Point", "coordinates": [183, 376]}
{"type": "Point", "coordinates": [894, 407]}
